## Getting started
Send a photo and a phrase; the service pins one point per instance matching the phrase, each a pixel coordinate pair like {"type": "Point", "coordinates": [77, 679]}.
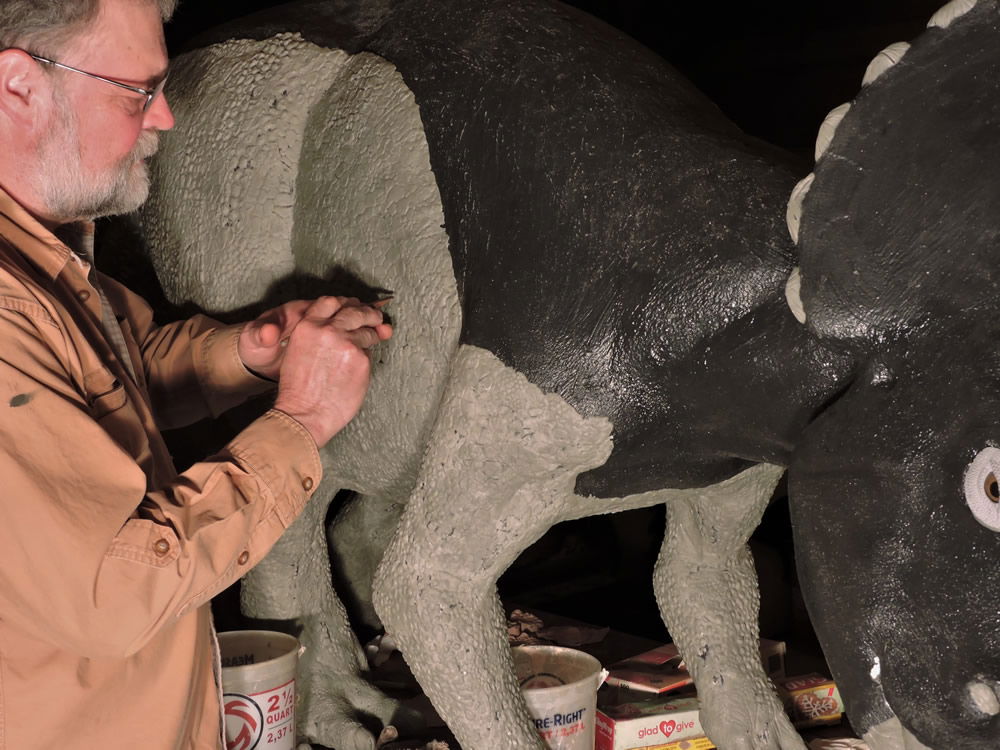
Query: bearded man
{"type": "Point", "coordinates": [108, 557]}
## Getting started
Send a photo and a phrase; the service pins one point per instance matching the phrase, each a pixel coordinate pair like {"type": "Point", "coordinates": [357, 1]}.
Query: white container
{"type": "Point", "coordinates": [258, 689]}
{"type": "Point", "coordinates": [560, 687]}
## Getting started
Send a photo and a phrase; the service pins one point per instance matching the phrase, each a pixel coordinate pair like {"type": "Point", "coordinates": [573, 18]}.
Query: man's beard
{"type": "Point", "coordinates": [69, 194]}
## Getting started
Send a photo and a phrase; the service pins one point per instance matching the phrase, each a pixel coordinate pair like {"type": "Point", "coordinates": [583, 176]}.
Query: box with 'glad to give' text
{"type": "Point", "coordinates": [649, 722]}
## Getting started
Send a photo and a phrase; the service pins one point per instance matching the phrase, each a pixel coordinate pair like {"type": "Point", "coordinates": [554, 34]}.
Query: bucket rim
{"type": "Point", "coordinates": [589, 659]}
{"type": "Point", "coordinates": [275, 635]}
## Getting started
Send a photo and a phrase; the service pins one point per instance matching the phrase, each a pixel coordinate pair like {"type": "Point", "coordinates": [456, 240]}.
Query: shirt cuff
{"type": "Point", "coordinates": [224, 378]}
{"type": "Point", "coordinates": [284, 456]}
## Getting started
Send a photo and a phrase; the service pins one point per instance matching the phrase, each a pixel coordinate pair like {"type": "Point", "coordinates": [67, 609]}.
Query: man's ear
{"type": "Point", "coordinates": [23, 85]}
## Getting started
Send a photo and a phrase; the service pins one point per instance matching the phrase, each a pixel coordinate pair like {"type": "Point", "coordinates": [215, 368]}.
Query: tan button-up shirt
{"type": "Point", "coordinates": [108, 558]}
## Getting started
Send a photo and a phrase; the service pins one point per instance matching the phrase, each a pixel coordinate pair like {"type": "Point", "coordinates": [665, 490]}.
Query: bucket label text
{"type": "Point", "coordinates": [261, 721]}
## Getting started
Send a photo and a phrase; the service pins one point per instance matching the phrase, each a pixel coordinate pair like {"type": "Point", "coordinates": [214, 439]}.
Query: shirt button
{"type": "Point", "coordinates": [244, 556]}
{"type": "Point", "coordinates": [83, 295]}
{"type": "Point", "coordinates": [307, 484]}
{"type": "Point", "coordinates": [161, 547]}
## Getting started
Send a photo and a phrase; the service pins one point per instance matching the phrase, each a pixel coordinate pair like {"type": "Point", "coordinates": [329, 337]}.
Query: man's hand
{"type": "Point", "coordinates": [261, 342]}
{"type": "Point", "coordinates": [324, 369]}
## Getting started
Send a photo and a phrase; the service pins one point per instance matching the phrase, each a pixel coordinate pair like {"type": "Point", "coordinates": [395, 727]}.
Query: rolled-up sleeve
{"type": "Point", "coordinates": [91, 559]}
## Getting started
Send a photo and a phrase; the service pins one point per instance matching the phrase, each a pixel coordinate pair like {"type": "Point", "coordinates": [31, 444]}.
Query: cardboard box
{"type": "Point", "coordinates": [695, 743]}
{"type": "Point", "coordinates": [646, 721]}
{"type": "Point", "coordinates": [661, 669]}
{"type": "Point", "coordinates": [810, 700]}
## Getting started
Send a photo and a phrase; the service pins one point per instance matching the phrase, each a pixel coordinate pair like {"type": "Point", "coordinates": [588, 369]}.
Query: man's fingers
{"type": "Point", "coordinates": [362, 326]}
{"type": "Point", "coordinates": [324, 307]}
{"type": "Point", "coordinates": [363, 338]}
{"type": "Point", "coordinates": [328, 307]}
{"type": "Point", "coordinates": [350, 317]}
{"type": "Point", "coordinates": [361, 323]}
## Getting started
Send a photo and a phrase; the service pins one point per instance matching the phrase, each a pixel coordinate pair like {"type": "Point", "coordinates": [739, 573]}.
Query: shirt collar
{"type": "Point", "coordinates": [49, 253]}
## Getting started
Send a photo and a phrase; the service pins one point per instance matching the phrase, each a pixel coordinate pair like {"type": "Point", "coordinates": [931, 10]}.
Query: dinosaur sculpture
{"type": "Point", "coordinates": [590, 278]}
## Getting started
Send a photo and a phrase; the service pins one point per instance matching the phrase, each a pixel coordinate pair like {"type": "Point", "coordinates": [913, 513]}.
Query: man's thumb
{"type": "Point", "coordinates": [266, 334]}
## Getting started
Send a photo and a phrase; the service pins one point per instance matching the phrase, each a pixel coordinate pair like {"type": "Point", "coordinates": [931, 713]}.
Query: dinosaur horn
{"type": "Point", "coordinates": [793, 295]}
{"type": "Point", "coordinates": [885, 60]}
{"type": "Point", "coordinates": [793, 214]}
{"type": "Point", "coordinates": [829, 128]}
{"type": "Point", "coordinates": [943, 18]}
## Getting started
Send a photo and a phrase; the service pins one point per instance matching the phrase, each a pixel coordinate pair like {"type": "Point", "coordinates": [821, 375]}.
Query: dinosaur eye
{"type": "Point", "coordinates": [982, 489]}
{"type": "Point", "coordinates": [992, 488]}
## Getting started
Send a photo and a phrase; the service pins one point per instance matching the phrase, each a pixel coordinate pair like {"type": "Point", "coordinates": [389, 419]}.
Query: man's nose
{"type": "Point", "coordinates": [159, 115]}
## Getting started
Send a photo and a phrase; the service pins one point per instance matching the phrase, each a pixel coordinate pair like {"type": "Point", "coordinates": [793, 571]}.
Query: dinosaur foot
{"type": "Point", "coordinates": [747, 716]}
{"type": "Point", "coordinates": [348, 713]}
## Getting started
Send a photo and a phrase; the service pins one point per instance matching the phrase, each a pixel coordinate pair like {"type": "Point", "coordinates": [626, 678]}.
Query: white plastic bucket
{"type": "Point", "coordinates": [258, 689]}
{"type": "Point", "coordinates": [560, 687]}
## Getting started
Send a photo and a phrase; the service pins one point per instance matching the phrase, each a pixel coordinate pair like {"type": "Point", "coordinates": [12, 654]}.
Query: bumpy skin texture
{"type": "Point", "coordinates": [899, 261]}
{"type": "Point", "coordinates": [308, 189]}
{"type": "Point", "coordinates": [588, 264]}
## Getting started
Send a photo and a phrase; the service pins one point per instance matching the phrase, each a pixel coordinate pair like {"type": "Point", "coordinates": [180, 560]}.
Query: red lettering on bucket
{"type": "Point", "coordinates": [282, 702]}
{"type": "Point", "coordinates": [261, 720]}
{"type": "Point", "coordinates": [278, 733]}
{"type": "Point", "coordinates": [548, 734]}
{"type": "Point", "coordinates": [279, 716]}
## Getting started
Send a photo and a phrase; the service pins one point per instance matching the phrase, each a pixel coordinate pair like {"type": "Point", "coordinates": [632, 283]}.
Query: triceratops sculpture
{"type": "Point", "coordinates": [590, 274]}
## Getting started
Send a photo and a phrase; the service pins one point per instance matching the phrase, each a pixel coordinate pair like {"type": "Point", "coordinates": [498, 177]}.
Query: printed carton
{"type": "Point", "coordinates": [810, 700]}
{"type": "Point", "coordinates": [647, 721]}
{"type": "Point", "coordinates": [698, 743]}
{"type": "Point", "coordinates": [695, 743]}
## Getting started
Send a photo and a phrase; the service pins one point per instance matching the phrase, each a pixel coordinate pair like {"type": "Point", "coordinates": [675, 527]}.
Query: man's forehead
{"type": "Point", "coordinates": [126, 35]}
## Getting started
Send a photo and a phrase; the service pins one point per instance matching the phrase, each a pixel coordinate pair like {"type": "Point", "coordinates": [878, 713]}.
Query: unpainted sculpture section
{"type": "Point", "coordinates": [330, 170]}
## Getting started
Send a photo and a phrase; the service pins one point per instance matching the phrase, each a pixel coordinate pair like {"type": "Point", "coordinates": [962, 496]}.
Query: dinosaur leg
{"type": "Point", "coordinates": [706, 587]}
{"type": "Point", "coordinates": [498, 472]}
{"type": "Point", "coordinates": [337, 706]}
{"type": "Point", "coordinates": [357, 537]}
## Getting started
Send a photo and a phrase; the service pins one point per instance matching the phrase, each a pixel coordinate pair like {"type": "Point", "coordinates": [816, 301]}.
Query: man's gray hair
{"type": "Point", "coordinates": [44, 26]}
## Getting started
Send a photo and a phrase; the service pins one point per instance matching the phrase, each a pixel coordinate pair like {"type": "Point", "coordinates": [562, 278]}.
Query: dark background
{"type": "Point", "coordinates": [775, 68]}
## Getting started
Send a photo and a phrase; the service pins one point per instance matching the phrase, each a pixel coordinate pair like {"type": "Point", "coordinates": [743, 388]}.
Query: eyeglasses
{"type": "Point", "coordinates": [150, 94]}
